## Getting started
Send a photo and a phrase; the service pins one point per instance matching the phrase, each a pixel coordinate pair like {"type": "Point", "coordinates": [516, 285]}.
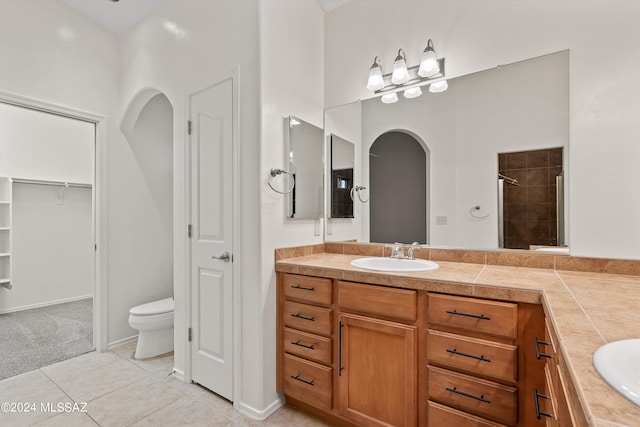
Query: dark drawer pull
{"type": "Point", "coordinates": [458, 353]}
{"type": "Point", "coordinates": [302, 380]}
{"type": "Point", "coordinates": [299, 344]}
{"type": "Point", "coordinates": [302, 288]}
{"type": "Point", "coordinates": [462, 393]}
{"type": "Point", "coordinates": [539, 413]}
{"type": "Point", "coordinates": [538, 354]}
{"type": "Point", "coordinates": [475, 316]}
{"type": "Point", "coordinates": [300, 316]}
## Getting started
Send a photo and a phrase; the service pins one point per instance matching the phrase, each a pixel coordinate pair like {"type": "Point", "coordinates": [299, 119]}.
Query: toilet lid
{"type": "Point", "coordinates": [156, 307]}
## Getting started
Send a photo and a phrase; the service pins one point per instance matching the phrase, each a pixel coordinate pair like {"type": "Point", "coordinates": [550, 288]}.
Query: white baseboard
{"type": "Point", "coordinates": [178, 374]}
{"type": "Point", "coordinates": [123, 341]}
{"type": "Point", "coordinates": [44, 304]}
{"type": "Point", "coordinates": [257, 414]}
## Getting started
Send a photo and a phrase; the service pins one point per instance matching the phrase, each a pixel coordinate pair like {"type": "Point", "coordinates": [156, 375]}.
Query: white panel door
{"type": "Point", "coordinates": [211, 115]}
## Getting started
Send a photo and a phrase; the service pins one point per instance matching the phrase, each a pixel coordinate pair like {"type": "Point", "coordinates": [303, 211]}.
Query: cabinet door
{"type": "Point", "coordinates": [377, 371]}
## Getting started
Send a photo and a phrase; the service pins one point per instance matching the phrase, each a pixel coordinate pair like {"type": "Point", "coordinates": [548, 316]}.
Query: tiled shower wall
{"type": "Point", "coordinates": [530, 208]}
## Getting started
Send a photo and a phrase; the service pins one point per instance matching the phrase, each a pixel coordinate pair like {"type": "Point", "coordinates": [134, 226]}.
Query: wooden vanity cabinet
{"type": "Point", "coordinates": [482, 368]}
{"type": "Point", "coordinates": [554, 403]}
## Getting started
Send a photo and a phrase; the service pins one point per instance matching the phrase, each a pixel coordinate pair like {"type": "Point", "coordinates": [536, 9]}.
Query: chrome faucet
{"type": "Point", "coordinates": [414, 245]}
{"type": "Point", "coordinates": [397, 251]}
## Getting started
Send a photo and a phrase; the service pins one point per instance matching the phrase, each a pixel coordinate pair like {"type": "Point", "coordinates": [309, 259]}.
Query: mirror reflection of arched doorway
{"type": "Point", "coordinates": [398, 171]}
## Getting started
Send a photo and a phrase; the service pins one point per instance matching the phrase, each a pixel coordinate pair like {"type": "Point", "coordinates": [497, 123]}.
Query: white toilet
{"type": "Point", "coordinates": [154, 321]}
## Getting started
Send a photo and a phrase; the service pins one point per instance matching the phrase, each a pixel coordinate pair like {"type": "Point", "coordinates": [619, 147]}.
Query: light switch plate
{"type": "Point", "coordinates": [441, 220]}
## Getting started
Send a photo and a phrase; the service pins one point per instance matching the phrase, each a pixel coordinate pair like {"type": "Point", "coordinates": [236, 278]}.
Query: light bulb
{"type": "Point", "coordinates": [438, 87]}
{"type": "Point", "coordinates": [376, 81]}
{"type": "Point", "coordinates": [400, 73]}
{"type": "Point", "coordinates": [428, 61]}
{"type": "Point", "coordinates": [389, 98]}
{"type": "Point", "coordinates": [413, 92]}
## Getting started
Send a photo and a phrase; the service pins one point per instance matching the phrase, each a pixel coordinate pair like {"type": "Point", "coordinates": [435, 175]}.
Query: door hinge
{"type": "Point", "coordinates": [189, 334]}
{"type": "Point", "coordinates": [189, 127]}
{"type": "Point", "coordinates": [189, 230]}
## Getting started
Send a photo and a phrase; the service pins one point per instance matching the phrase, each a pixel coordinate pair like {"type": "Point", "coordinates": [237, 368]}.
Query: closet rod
{"type": "Point", "coordinates": [56, 183]}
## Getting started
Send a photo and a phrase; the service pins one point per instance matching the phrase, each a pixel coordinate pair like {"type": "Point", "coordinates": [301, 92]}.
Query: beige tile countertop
{"type": "Point", "coordinates": [587, 310]}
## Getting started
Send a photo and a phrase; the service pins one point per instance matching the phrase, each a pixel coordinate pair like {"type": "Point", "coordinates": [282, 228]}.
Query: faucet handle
{"type": "Point", "coordinates": [414, 245]}
{"type": "Point", "coordinates": [397, 251]}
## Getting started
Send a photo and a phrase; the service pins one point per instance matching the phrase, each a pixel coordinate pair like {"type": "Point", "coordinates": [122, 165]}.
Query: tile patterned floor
{"type": "Point", "coordinates": [121, 391]}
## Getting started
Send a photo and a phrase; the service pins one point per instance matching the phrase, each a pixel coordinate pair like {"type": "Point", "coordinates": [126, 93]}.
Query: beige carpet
{"type": "Point", "coordinates": [31, 339]}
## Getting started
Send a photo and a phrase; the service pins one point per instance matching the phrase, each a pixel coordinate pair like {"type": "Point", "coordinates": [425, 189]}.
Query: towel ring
{"type": "Point", "coordinates": [274, 172]}
{"type": "Point", "coordinates": [477, 208]}
{"type": "Point", "coordinates": [358, 189]}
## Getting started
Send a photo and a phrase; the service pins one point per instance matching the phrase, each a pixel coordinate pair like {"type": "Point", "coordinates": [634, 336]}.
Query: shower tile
{"type": "Point", "coordinates": [555, 157]}
{"type": "Point", "coordinates": [34, 388]}
{"type": "Point", "coordinates": [537, 159]}
{"type": "Point", "coordinates": [538, 194]}
{"type": "Point", "coordinates": [129, 404]}
{"type": "Point", "coordinates": [516, 160]}
{"type": "Point", "coordinates": [538, 176]}
{"type": "Point", "coordinates": [553, 172]}
{"type": "Point", "coordinates": [536, 213]}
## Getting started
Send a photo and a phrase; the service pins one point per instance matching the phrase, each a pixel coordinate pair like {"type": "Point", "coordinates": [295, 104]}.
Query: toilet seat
{"type": "Point", "coordinates": [152, 308]}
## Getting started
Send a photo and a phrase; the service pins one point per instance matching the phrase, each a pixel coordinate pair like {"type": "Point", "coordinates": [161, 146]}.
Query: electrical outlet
{"type": "Point", "coordinates": [441, 220]}
{"type": "Point", "coordinates": [316, 227]}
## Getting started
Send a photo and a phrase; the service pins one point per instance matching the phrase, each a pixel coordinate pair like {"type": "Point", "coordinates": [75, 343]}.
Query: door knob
{"type": "Point", "coordinates": [226, 257]}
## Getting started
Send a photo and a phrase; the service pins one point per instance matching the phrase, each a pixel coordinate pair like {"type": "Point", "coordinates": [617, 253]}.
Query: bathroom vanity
{"type": "Point", "coordinates": [468, 344]}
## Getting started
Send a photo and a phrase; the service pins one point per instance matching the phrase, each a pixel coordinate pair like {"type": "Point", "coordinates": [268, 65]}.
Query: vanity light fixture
{"type": "Point", "coordinates": [376, 81]}
{"type": "Point", "coordinates": [430, 71]}
{"type": "Point", "coordinates": [400, 73]}
{"type": "Point", "coordinates": [389, 98]}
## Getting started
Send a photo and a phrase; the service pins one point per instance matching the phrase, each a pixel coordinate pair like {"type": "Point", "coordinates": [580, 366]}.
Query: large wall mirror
{"type": "Point", "coordinates": [304, 150]}
{"type": "Point", "coordinates": [342, 168]}
{"type": "Point", "coordinates": [482, 117]}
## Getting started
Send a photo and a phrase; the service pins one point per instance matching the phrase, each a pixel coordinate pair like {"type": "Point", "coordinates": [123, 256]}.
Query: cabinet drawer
{"type": "Point", "coordinates": [378, 300]}
{"type": "Point", "coordinates": [487, 399]}
{"type": "Point", "coordinates": [309, 346]}
{"type": "Point", "coordinates": [495, 360]}
{"type": "Point", "coordinates": [441, 416]}
{"type": "Point", "coordinates": [314, 290]}
{"type": "Point", "coordinates": [307, 381]}
{"type": "Point", "coordinates": [489, 317]}
{"type": "Point", "coordinates": [307, 318]}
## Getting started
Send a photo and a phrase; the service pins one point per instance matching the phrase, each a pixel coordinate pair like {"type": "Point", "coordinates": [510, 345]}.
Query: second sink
{"type": "Point", "coordinates": [394, 264]}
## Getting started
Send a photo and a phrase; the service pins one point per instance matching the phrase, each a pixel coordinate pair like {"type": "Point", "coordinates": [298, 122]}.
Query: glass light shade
{"type": "Point", "coordinates": [400, 73]}
{"type": "Point", "coordinates": [438, 87]}
{"type": "Point", "coordinates": [376, 81]}
{"type": "Point", "coordinates": [428, 63]}
{"type": "Point", "coordinates": [389, 98]}
{"type": "Point", "coordinates": [413, 92]}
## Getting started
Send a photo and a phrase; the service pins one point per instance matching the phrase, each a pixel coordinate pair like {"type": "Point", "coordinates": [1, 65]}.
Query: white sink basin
{"type": "Point", "coordinates": [619, 364]}
{"type": "Point", "coordinates": [394, 264]}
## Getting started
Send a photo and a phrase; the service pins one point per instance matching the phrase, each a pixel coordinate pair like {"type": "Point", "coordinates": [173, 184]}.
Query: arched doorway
{"type": "Point", "coordinates": [398, 165]}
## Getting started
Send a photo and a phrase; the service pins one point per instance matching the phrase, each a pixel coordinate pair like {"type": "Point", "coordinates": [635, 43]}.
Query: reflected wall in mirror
{"type": "Point", "coordinates": [342, 164]}
{"type": "Point", "coordinates": [304, 154]}
{"type": "Point", "coordinates": [518, 107]}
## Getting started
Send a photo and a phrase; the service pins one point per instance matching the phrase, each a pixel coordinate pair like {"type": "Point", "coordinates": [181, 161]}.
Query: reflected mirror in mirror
{"type": "Point", "coordinates": [342, 164]}
{"type": "Point", "coordinates": [522, 106]}
{"type": "Point", "coordinates": [304, 154]}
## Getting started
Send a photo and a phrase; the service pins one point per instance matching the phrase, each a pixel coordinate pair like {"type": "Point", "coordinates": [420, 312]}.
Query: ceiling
{"type": "Point", "coordinates": [119, 16]}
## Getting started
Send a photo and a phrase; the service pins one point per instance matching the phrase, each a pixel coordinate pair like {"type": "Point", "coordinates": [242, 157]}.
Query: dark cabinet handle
{"type": "Point", "coordinates": [462, 393]}
{"type": "Point", "coordinates": [302, 288]}
{"type": "Point", "coordinates": [340, 367]}
{"type": "Point", "coordinates": [539, 355]}
{"type": "Point", "coordinates": [299, 344]}
{"type": "Point", "coordinates": [539, 413]}
{"type": "Point", "coordinates": [458, 353]}
{"type": "Point", "coordinates": [300, 316]}
{"type": "Point", "coordinates": [302, 380]}
{"type": "Point", "coordinates": [475, 316]}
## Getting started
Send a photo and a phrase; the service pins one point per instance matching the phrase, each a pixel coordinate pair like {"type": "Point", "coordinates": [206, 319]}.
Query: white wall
{"type": "Point", "coordinates": [291, 50]}
{"type": "Point", "coordinates": [142, 262]}
{"type": "Point", "coordinates": [603, 163]}
{"type": "Point", "coordinates": [52, 247]}
{"type": "Point", "coordinates": [522, 106]}
{"type": "Point", "coordinates": [43, 146]}
{"type": "Point", "coordinates": [182, 47]}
